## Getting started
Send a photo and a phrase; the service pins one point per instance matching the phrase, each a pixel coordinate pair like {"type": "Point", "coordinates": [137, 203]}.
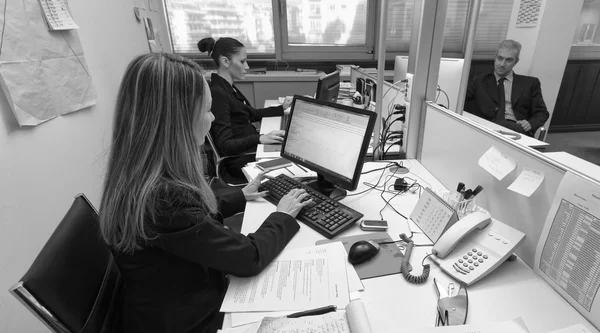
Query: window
{"type": "Point", "coordinates": [587, 33]}
{"type": "Point", "coordinates": [332, 29]}
{"type": "Point", "coordinates": [492, 25]}
{"type": "Point", "coordinates": [249, 21]}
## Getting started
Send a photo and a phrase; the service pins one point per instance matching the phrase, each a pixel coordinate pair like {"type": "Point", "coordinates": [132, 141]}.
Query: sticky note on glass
{"type": "Point", "coordinates": [528, 181]}
{"type": "Point", "coordinates": [497, 163]}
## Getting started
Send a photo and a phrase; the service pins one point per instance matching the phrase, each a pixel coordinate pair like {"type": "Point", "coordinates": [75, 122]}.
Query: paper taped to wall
{"type": "Point", "coordinates": [45, 78]}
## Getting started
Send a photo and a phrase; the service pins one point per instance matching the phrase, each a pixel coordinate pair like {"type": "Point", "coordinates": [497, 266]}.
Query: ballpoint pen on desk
{"type": "Point", "coordinates": [290, 171]}
{"type": "Point", "coordinates": [313, 312]}
{"type": "Point", "coordinates": [298, 165]}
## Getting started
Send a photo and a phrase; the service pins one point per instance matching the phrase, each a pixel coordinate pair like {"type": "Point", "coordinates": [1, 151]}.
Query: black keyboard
{"type": "Point", "coordinates": [285, 119]}
{"type": "Point", "coordinates": [328, 217]}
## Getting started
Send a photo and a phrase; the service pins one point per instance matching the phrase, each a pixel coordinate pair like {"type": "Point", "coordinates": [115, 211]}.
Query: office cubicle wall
{"type": "Point", "coordinates": [451, 148]}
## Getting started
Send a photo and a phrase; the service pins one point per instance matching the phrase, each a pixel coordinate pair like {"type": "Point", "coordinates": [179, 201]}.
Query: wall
{"type": "Point", "coordinates": [44, 167]}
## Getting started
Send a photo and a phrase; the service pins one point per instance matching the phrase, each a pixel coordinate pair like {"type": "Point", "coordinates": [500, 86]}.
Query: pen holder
{"type": "Point", "coordinates": [461, 206]}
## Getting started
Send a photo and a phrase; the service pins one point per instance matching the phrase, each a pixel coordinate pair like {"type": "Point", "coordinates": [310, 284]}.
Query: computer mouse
{"type": "Point", "coordinates": [362, 251]}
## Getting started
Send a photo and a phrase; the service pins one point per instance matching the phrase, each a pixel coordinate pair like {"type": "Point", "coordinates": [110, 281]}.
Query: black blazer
{"type": "Point", "coordinates": [177, 283]}
{"type": "Point", "coordinates": [232, 129]}
{"type": "Point", "coordinates": [526, 98]}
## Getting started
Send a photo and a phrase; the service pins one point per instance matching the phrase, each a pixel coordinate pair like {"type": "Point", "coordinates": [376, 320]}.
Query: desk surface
{"type": "Point", "coordinates": [513, 290]}
{"type": "Point", "coordinates": [524, 140]}
{"type": "Point", "coordinates": [589, 169]}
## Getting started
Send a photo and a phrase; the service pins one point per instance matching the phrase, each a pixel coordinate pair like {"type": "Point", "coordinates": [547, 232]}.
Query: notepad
{"type": "Point", "coordinates": [433, 215]}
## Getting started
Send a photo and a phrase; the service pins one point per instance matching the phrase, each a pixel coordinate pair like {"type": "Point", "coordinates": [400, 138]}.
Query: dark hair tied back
{"type": "Point", "coordinates": [225, 46]}
{"type": "Point", "coordinates": [206, 44]}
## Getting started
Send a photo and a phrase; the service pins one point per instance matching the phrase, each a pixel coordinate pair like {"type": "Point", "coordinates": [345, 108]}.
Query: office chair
{"type": "Point", "coordinates": [219, 172]}
{"type": "Point", "coordinates": [540, 133]}
{"type": "Point", "coordinates": [74, 283]}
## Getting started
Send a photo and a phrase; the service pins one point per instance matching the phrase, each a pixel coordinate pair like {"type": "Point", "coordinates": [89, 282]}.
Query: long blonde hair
{"type": "Point", "coordinates": [154, 154]}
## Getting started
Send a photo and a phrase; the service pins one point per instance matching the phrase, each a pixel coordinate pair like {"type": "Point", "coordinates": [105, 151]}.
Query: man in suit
{"type": "Point", "coordinates": [508, 99]}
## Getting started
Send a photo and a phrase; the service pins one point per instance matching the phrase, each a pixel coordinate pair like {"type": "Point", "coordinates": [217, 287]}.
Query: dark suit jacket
{"type": "Point", "coordinates": [232, 129]}
{"type": "Point", "coordinates": [177, 283]}
{"type": "Point", "coordinates": [526, 98]}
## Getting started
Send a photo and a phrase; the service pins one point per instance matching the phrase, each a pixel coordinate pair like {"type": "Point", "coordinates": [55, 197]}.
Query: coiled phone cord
{"type": "Point", "coordinates": [414, 279]}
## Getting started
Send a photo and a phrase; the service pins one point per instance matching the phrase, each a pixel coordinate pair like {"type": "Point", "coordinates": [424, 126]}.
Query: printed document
{"type": "Point", "coordinates": [568, 253]}
{"type": "Point", "coordinates": [353, 320]}
{"type": "Point", "coordinates": [296, 280]}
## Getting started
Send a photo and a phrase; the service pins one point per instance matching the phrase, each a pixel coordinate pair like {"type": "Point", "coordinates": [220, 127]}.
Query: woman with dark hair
{"type": "Point", "coordinates": [159, 215]}
{"type": "Point", "coordinates": [232, 129]}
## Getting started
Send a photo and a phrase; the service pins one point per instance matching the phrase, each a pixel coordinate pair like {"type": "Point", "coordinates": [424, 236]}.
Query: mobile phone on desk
{"type": "Point", "coordinates": [373, 225]}
{"type": "Point", "coordinates": [276, 163]}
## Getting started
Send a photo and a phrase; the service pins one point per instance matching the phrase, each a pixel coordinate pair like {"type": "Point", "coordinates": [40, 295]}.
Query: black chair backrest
{"type": "Point", "coordinates": [75, 276]}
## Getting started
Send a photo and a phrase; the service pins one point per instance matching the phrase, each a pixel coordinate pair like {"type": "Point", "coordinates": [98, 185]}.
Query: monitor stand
{"type": "Point", "coordinates": [327, 188]}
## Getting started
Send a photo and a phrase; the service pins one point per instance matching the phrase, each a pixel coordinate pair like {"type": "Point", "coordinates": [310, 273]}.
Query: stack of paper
{"type": "Point", "coordinates": [294, 171]}
{"type": "Point", "coordinates": [346, 91]}
{"type": "Point", "coordinates": [297, 280]}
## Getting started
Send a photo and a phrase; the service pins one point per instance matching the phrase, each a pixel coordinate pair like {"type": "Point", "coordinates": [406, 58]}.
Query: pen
{"type": "Point", "coordinates": [468, 194]}
{"type": "Point", "coordinates": [477, 190]}
{"type": "Point", "coordinates": [460, 187]}
{"type": "Point", "coordinates": [313, 312]}
{"type": "Point", "coordinates": [302, 168]}
{"type": "Point", "coordinates": [290, 171]}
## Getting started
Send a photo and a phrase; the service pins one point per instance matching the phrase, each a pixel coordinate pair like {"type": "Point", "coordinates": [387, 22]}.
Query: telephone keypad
{"type": "Point", "coordinates": [470, 261]}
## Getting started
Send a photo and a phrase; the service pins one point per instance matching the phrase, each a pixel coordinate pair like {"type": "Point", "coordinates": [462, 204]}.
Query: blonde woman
{"type": "Point", "coordinates": [158, 213]}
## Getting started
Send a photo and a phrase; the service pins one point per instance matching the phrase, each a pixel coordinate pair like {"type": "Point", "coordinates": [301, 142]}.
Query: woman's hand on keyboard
{"type": "Point", "coordinates": [291, 203]}
{"type": "Point", "coordinates": [251, 190]}
{"type": "Point", "coordinates": [273, 137]}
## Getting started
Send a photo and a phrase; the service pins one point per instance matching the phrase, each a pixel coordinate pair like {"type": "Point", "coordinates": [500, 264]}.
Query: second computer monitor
{"type": "Point", "coordinates": [330, 139]}
{"type": "Point", "coordinates": [328, 87]}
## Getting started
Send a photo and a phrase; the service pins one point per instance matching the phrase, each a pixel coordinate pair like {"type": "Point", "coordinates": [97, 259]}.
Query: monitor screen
{"type": "Point", "coordinates": [330, 139]}
{"type": "Point", "coordinates": [449, 78]}
{"type": "Point", "coordinates": [328, 87]}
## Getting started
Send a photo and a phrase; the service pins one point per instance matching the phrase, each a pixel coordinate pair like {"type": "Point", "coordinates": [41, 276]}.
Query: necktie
{"type": "Point", "coordinates": [501, 97]}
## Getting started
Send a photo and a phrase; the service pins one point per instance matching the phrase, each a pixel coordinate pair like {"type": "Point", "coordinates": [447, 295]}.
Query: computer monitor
{"type": "Point", "coordinates": [449, 77]}
{"type": "Point", "coordinates": [328, 87]}
{"type": "Point", "coordinates": [330, 139]}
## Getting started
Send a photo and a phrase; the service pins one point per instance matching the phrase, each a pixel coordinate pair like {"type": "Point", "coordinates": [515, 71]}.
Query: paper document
{"type": "Point", "coordinates": [294, 171]}
{"type": "Point", "coordinates": [354, 284]}
{"type": "Point", "coordinates": [497, 163]}
{"type": "Point", "coordinates": [572, 329]}
{"type": "Point", "coordinates": [568, 252]}
{"type": "Point", "coordinates": [295, 280]}
{"type": "Point", "coordinates": [514, 326]}
{"type": "Point", "coordinates": [528, 181]}
{"type": "Point", "coordinates": [43, 73]}
{"type": "Point", "coordinates": [57, 15]}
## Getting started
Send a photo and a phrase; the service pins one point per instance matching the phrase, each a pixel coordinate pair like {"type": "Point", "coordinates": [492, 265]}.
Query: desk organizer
{"type": "Point", "coordinates": [461, 206]}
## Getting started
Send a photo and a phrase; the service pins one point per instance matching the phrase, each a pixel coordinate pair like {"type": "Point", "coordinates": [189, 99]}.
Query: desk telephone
{"type": "Point", "coordinates": [474, 246]}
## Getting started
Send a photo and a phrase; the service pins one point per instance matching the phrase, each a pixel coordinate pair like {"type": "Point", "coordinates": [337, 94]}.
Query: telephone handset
{"type": "Point", "coordinates": [474, 246]}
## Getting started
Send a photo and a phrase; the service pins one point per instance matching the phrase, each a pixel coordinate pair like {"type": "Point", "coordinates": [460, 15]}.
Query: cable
{"type": "Point", "coordinates": [414, 279]}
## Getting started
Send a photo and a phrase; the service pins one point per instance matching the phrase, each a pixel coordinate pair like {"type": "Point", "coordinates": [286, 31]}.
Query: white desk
{"type": "Point", "coordinates": [393, 305]}
{"type": "Point", "coordinates": [576, 163]}
{"type": "Point", "coordinates": [524, 140]}
{"type": "Point", "coordinates": [273, 123]}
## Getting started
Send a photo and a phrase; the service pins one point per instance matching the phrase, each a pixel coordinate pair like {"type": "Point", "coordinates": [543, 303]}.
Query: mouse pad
{"type": "Point", "coordinates": [386, 262]}
{"type": "Point", "coordinates": [272, 148]}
